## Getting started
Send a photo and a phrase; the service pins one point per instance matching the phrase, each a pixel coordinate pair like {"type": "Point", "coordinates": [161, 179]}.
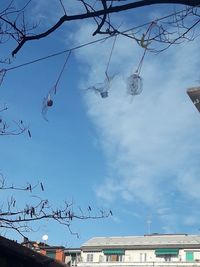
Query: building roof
{"type": "Point", "coordinates": [72, 250]}
{"type": "Point", "coordinates": [147, 241]}
{"type": "Point", "coordinates": [40, 245]}
{"type": "Point", "coordinates": [11, 249]}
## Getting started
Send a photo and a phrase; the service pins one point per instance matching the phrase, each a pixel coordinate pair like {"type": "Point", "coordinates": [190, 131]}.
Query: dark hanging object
{"type": "Point", "coordinates": [194, 94]}
{"type": "Point", "coordinates": [49, 102]}
{"type": "Point", "coordinates": [29, 133]}
{"type": "Point", "coordinates": [42, 187]}
{"type": "Point", "coordinates": [104, 94]}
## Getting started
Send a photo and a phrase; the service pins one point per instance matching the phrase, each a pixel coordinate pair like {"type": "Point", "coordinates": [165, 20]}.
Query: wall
{"type": "Point", "coordinates": [143, 256]}
{"type": "Point", "coordinates": [60, 255]}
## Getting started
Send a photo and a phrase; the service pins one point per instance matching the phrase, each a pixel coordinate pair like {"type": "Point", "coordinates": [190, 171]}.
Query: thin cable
{"type": "Point", "coordinates": [57, 54]}
{"type": "Point", "coordinates": [111, 52]}
{"type": "Point", "coordinates": [158, 19]}
{"type": "Point", "coordinates": [92, 42]}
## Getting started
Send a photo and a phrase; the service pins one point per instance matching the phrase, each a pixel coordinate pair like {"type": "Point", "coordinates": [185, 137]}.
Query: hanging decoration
{"type": "Point", "coordinates": [134, 84]}
{"type": "Point", "coordinates": [48, 99]}
{"type": "Point", "coordinates": [134, 81]}
{"type": "Point", "coordinates": [104, 87]}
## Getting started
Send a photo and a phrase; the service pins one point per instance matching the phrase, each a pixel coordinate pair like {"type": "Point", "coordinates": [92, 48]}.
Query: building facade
{"type": "Point", "coordinates": [72, 256]}
{"type": "Point", "coordinates": [149, 250]}
{"type": "Point", "coordinates": [68, 256]}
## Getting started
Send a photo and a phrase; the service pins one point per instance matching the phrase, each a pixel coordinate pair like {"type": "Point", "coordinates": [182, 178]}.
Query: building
{"type": "Point", "coordinates": [72, 256]}
{"type": "Point", "coordinates": [69, 256]}
{"type": "Point", "coordinates": [150, 250]}
{"type": "Point", "coordinates": [53, 252]}
{"type": "Point", "coordinates": [13, 254]}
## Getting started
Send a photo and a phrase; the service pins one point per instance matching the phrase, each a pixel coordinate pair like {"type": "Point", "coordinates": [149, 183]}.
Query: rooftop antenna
{"type": "Point", "coordinates": [149, 221]}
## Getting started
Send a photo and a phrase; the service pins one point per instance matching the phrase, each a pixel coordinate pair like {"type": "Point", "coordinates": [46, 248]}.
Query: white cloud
{"type": "Point", "coordinates": [151, 141]}
{"type": "Point", "coordinates": [163, 211]}
{"type": "Point", "coordinates": [49, 12]}
{"type": "Point", "coordinates": [108, 190]}
{"type": "Point", "coordinates": [189, 182]}
{"type": "Point", "coordinates": [191, 220]}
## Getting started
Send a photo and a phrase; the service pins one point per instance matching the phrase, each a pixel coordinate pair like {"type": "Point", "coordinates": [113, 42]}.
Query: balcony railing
{"type": "Point", "coordinates": [140, 264]}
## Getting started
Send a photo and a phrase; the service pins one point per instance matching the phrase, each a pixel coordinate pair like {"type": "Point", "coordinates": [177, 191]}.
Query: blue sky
{"type": "Point", "coordinates": [138, 157]}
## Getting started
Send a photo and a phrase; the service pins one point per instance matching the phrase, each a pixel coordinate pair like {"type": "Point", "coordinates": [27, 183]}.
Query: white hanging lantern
{"type": "Point", "coordinates": [134, 84]}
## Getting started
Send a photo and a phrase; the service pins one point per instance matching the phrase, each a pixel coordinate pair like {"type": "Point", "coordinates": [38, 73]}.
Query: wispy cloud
{"type": "Point", "coordinates": [49, 12]}
{"type": "Point", "coordinates": [151, 143]}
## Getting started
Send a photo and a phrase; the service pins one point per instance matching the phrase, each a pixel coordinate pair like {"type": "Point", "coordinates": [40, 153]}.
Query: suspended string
{"type": "Point", "coordinates": [138, 70]}
{"type": "Point", "coordinates": [110, 56]}
{"type": "Point", "coordinates": [145, 46]}
{"type": "Point", "coordinates": [48, 100]}
{"type": "Point", "coordinates": [60, 75]}
{"type": "Point", "coordinates": [104, 87]}
{"type": "Point", "coordinates": [134, 82]}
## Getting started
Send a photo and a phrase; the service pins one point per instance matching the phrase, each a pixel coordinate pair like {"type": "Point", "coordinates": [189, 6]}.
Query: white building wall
{"type": "Point", "coordinates": [97, 256]}
{"type": "Point", "coordinates": [141, 256]}
{"type": "Point", "coordinates": [196, 253]}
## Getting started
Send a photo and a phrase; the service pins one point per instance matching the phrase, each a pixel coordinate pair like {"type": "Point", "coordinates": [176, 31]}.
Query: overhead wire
{"type": "Point", "coordinates": [92, 42]}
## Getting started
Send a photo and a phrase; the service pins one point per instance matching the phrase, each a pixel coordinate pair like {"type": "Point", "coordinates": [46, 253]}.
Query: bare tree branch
{"type": "Point", "coordinates": [20, 219]}
{"type": "Point", "coordinates": [18, 127]}
{"type": "Point", "coordinates": [103, 12]}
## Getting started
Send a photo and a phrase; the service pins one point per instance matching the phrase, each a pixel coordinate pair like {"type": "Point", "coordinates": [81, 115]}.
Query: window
{"type": "Point", "coordinates": [73, 259]}
{"type": "Point", "coordinates": [100, 258]}
{"type": "Point", "coordinates": [189, 256]}
{"type": "Point", "coordinates": [114, 258]}
{"type": "Point", "coordinates": [89, 257]}
{"type": "Point", "coordinates": [114, 255]}
{"type": "Point", "coordinates": [120, 258]}
{"type": "Point", "coordinates": [167, 258]}
{"type": "Point", "coordinates": [51, 254]}
{"type": "Point", "coordinates": [143, 257]}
